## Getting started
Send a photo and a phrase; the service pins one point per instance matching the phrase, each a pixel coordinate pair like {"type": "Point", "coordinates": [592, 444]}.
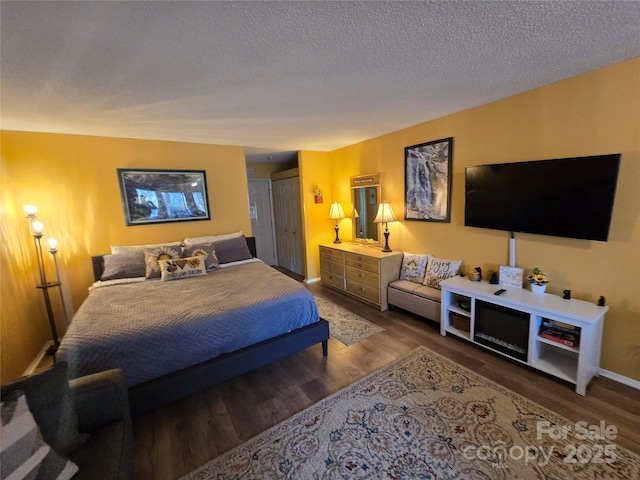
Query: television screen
{"type": "Point", "coordinates": [569, 197]}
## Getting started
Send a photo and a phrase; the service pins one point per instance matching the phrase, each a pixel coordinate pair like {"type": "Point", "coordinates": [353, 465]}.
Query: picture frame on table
{"type": "Point", "coordinates": [427, 181]}
{"type": "Point", "coordinates": [161, 196]}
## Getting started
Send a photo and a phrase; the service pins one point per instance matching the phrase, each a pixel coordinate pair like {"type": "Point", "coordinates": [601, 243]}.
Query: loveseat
{"type": "Point", "coordinates": [85, 422]}
{"type": "Point", "coordinates": [418, 289]}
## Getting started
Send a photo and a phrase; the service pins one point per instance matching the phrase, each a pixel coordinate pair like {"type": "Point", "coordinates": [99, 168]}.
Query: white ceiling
{"type": "Point", "coordinates": [284, 76]}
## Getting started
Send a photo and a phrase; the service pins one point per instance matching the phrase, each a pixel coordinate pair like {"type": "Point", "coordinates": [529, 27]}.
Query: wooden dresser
{"type": "Point", "coordinates": [360, 271]}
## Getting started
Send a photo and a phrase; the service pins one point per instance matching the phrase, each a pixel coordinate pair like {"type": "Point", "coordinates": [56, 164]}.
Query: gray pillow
{"type": "Point", "coordinates": [206, 250]}
{"type": "Point", "coordinates": [232, 250]}
{"type": "Point", "coordinates": [23, 448]}
{"type": "Point", "coordinates": [50, 403]}
{"type": "Point", "coordinates": [123, 265]}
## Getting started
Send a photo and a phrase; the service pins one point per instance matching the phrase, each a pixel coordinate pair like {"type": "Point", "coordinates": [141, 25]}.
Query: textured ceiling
{"type": "Point", "coordinates": [288, 75]}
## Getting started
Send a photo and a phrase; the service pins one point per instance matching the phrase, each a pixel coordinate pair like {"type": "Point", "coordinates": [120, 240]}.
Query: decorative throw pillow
{"type": "Point", "coordinates": [182, 268]}
{"type": "Point", "coordinates": [413, 267]}
{"type": "Point", "coordinates": [24, 452]}
{"type": "Point", "coordinates": [123, 265]}
{"type": "Point", "coordinates": [206, 250]}
{"type": "Point", "coordinates": [439, 269]}
{"type": "Point", "coordinates": [232, 250]}
{"type": "Point", "coordinates": [50, 403]}
{"type": "Point", "coordinates": [211, 238]}
{"type": "Point", "coordinates": [153, 255]}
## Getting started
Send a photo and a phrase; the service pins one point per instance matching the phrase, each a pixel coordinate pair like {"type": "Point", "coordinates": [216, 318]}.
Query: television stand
{"type": "Point", "coordinates": [562, 338]}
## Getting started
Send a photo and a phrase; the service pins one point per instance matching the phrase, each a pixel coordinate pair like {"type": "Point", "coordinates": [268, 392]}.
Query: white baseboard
{"type": "Point", "coordinates": [620, 378]}
{"type": "Point", "coordinates": [36, 361]}
{"type": "Point", "coordinates": [312, 280]}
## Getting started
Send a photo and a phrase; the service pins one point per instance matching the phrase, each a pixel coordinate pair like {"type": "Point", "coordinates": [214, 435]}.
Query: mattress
{"type": "Point", "coordinates": [152, 328]}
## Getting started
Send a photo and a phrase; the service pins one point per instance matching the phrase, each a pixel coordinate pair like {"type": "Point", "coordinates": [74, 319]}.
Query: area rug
{"type": "Point", "coordinates": [426, 417]}
{"type": "Point", "coordinates": [345, 326]}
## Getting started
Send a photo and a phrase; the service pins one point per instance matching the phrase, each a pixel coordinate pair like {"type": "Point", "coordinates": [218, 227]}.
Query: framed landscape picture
{"type": "Point", "coordinates": [427, 181]}
{"type": "Point", "coordinates": [160, 196]}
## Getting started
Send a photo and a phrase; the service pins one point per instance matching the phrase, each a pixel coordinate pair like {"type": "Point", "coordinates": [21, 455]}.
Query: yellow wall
{"type": "Point", "coordinates": [595, 113]}
{"type": "Point", "coordinates": [315, 172]}
{"type": "Point", "coordinates": [72, 179]}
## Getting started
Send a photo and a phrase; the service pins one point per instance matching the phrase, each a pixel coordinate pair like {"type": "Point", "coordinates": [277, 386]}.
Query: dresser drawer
{"type": "Point", "coordinates": [332, 279]}
{"type": "Point", "coordinates": [331, 255]}
{"type": "Point", "coordinates": [365, 291]}
{"type": "Point", "coordinates": [362, 276]}
{"type": "Point", "coordinates": [360, 261]}
{"type": "Point", "coordinates": [331, 266]}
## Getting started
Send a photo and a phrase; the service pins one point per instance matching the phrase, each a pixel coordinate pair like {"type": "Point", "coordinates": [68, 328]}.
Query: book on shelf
{"type": "Point", "coordinates": [555, 335]}
{"type": "Point", "coordinates": [565, 327]}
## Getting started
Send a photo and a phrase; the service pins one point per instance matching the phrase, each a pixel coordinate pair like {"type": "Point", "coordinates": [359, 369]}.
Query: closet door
{"type": "Point", "coordinates": [288, 218]}
{"type": "Point", "coordinates": [262, 219]}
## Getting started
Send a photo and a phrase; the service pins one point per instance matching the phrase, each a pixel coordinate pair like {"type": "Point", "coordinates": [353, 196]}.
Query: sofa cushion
{"type": "Point", "coordinates": [439, 269]}
{"type": "Point", "coordinates": [404, 285]}
{"type": "Point", "coordinates": [427, 292]}
{"type": "Point", "coordinates": [24, 452]}
{"type": "Point", "coordinates": [417, 289]}
{"type": "Point", "coordinates": [413, 267]}
{"type": "Point", "coordinates": [49, 401]}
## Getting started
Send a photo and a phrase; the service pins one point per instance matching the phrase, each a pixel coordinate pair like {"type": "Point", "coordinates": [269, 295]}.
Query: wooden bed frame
{"type": "Point", "coordinates": [160, 391]}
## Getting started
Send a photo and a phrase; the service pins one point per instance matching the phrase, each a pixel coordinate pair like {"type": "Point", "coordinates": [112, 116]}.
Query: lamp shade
{"type": "Point", "coordinates": [336, 212]}
{"type": "Point", "coordinates": [385, 213]}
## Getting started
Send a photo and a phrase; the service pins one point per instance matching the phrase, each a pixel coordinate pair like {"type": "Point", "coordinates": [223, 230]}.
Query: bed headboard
{"type": "Point", "coordinates": [97, 261]}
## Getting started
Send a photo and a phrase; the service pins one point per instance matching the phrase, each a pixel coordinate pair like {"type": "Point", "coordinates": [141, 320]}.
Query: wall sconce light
{"type": "Point", "coordinates": [36, 229]}
{"type": "Point", "coordinates": [317, 194]}
{"type": "Point", "coordinates": [336, 213]}
{"type": "Point", "coordinates": [385, 215]}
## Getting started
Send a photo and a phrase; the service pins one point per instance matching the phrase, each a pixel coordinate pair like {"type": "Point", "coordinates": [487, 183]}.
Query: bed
{"type": "Point", "coordinates": [175, 338]}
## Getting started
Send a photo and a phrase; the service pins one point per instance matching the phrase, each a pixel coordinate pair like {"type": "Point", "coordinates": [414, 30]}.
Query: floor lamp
{"type": "Point", "coordinates": [36, 229]}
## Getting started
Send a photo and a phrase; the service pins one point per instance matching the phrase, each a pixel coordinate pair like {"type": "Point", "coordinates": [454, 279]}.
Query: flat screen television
{"type": "Point", "coordinates": [568, 197]}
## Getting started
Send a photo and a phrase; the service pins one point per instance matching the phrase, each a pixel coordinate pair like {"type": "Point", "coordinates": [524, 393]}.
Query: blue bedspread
{"type": "Point", "coordinates": [152, 328]}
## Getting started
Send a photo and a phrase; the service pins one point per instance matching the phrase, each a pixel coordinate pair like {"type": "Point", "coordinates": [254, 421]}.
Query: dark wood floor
{"type": "Point", "coordinates": [178, 438]}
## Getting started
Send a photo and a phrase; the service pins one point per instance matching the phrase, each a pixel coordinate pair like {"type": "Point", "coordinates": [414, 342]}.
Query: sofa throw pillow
{"type": "Point", "coordinates": [232, 250]}
{"type": "Point", "coordinates": [153, 255]}
{"type": "Point", "coordinates": [413, 267]}
{"type": "Point", "coordinates": [24, 452]}
{"type": "Point", "coordinates": [49, 400]}
{"type": "Point", "coordinates": [439, 269]}
{"type": "Point", "coordinates": [182, 268]}
{"type": "Point", "coordinates": [123, 265]}
{"type": "Point", "coordinates": [206, 251]}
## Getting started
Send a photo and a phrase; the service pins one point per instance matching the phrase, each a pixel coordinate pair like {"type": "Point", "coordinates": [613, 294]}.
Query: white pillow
{"type": "Point", "coordinates": [439, 269]}
{"type": "Point", "coordinates": [178, 268]}
{"type": "Point", "coordinates": [211, 238]}
{"type": "Point", "coordinates": [413, 267]}
{"type": "Point", "coordinates": [140, 248]}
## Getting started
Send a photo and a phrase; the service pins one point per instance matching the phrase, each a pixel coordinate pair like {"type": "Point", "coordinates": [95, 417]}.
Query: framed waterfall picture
{"type": "Point", "coordinates": [427, 181]}
{"type": "Point", "coordinates": [161, 196]}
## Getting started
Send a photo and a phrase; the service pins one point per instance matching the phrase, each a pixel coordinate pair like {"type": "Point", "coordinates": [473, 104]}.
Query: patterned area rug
{"type": "Point", "coordinates": [345, 326]}
{"type": "Point", "coordinates": [426, 417]}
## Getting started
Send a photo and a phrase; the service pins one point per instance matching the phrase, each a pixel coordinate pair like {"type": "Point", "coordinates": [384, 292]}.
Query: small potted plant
{"type": "Point", "coordinates": [538, 280]}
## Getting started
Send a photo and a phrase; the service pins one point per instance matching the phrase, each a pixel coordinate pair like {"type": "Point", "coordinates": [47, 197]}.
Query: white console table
{"type": "Point", "coordinates": [577, 364]}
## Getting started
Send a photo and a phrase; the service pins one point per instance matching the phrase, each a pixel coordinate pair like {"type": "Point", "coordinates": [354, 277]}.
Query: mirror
{"type": "Point", "coordinates": [365, 195]}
